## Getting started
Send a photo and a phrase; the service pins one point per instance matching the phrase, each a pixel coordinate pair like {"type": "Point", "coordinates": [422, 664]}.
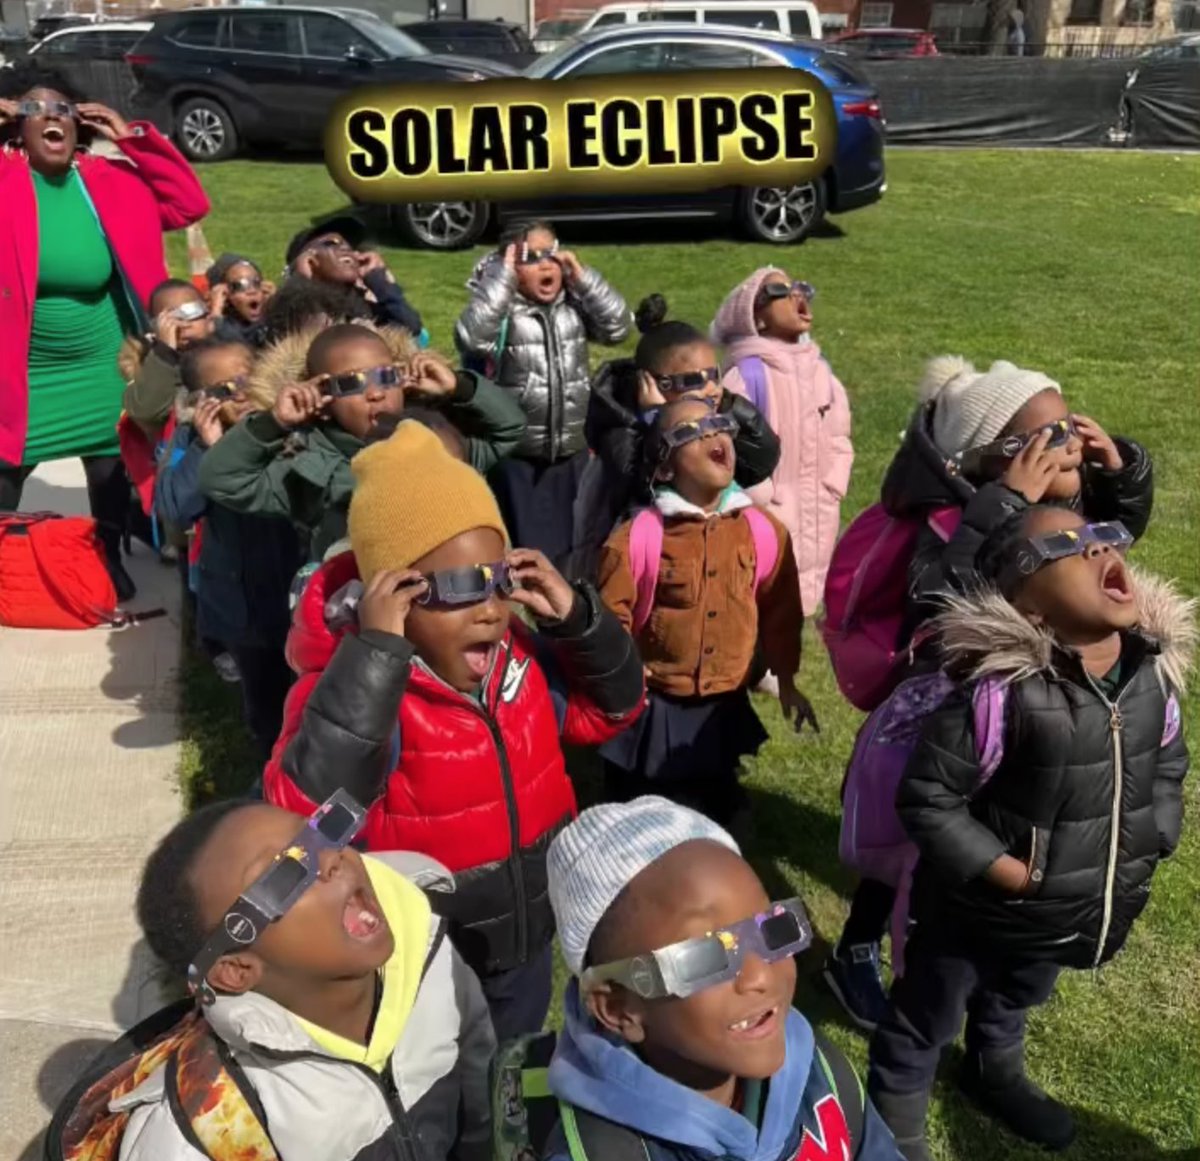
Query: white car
{"type": "Point", "coordinates": [106, 40]}
{"type": "Point", "coordinates": [798, 18]}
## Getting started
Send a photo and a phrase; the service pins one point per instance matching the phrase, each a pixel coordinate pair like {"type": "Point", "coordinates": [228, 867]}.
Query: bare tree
{"type": "Point", "coordinates": [995, 25]}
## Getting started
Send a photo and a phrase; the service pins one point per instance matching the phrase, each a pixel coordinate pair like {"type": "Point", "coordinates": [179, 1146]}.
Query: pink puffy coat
{"type": "Point", "coordinates": [809, 411]}
{"type": "Point", "coordinates": [135, 200]}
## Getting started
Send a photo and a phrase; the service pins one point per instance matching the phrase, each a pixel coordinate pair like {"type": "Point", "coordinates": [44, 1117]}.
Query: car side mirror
{"type": "Point", "coordinates": [355, 55]}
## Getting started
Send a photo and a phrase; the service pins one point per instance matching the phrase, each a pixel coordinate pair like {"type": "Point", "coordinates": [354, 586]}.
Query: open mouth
{"type": "Point", "coordinates": [479, 658]}
{"type": "Point", "coordinates": [548, 283]}
{"type": "Point", "coordinates": [719, 454]}
{"type": "Point", "coordinates": [361, 918]}
{"type": "Point", "coordinates": [756, 1026]}
{"type": "Point", "coordinates": [252, 307]}
{"type": "Point", "coordinates": [1115, 583]}
{"type": "Point", "coordinates": [54, 135]}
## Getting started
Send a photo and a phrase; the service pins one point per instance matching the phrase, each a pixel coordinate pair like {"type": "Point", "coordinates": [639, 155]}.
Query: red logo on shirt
{"type": "Point", "coordinates": [831, 1142]}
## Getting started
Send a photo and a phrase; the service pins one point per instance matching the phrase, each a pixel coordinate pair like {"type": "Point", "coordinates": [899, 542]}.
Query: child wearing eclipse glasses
{"type": "Point", "coordinates": [765, 327]}
{"type": "Point", "coordinates": [679, 1030]}
{"type": "Point", "coordinates": [333, 388]}
{"type": "Point", "coordinates": [239, 296]}
{"type": "Point", "coordinates": [244, 563]}
{"type": "Point", "coordinates": [421, 695]}
{"type": "Point", "coordinates": [1049, 864]}
{"type": "Point", "coordinates": [334, 1018]}
{"type": "Point", "coordinates": [534, 309]}
{"type": "Point", "coordinates": [702, 579]}
{"type": "Point", "coordinates": [989, 444]}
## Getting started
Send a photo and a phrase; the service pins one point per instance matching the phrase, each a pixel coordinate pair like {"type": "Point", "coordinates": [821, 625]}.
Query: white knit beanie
{"type": "Point", "coordinates": [972, 407]}
{"type": "Point", "coordinates": [595, 858]}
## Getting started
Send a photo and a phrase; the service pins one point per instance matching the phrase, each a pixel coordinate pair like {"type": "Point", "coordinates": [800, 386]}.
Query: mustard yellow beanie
{"type": "Point", "coordinates": [410, 495]}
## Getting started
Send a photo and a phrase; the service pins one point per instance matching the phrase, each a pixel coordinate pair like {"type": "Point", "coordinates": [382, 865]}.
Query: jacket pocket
{"type": "Point", "coordinates": [678, 585]}
{"type": "Point", "coordinates": [1039, 849]}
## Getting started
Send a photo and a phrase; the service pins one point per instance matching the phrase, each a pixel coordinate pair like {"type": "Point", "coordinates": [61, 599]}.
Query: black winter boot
{"type": "Point", "coordinates": [904, 1114]}
{"type": "Point", "coordinates": [122, 581]}
{"type": "Point", "coordinates": [995, 1080]}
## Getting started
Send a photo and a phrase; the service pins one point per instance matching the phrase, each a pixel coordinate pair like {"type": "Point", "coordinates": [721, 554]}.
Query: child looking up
{"type": "Point", "coordinates": [698, 612]}
{"type": "Point", "coordinates": [534, 307]}
{"type": "Point", "coordinates": [679, 1023]}
{"type": "Point", "coordinates": [331, 389]}
{"type": "Point", "coordinates": [1050, 863]}
{"type": "Point", "coordinates": [246, 563]}
{"type": "Point", "coordinates": [443, 711]}
{"type": "Point", "coordinates": [239, 296]}
{"type": "Point", "coordinates": [770, 357]}
{"type": "Point", "coordinates": [673, 360]}
{"type": "Point", "coordinates": [351, 1022]}
{"type": "Point", "coordinates": [991, 443]}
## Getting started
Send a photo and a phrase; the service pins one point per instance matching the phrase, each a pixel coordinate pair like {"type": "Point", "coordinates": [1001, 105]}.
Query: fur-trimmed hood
{"type": "Point", "coordinates": [984, 635]}
{"type": "Point", "coordinates": [282, 362]}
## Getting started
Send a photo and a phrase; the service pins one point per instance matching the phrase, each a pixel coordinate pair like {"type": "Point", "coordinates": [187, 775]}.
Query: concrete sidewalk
{"type": "Point", "coordinates": [89, 748]}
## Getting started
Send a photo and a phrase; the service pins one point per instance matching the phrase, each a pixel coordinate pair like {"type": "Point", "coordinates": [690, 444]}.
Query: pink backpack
{"type": "Point", "coordinates": [866, 593]}
{"type": "Point", "coordinates": [645, 552]}
{"type": "Point", "coordinates": [873, 841]}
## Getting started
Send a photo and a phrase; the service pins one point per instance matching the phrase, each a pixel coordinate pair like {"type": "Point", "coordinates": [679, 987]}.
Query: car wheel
{"type": "Point", "coordinates": [441, 225]}
{"type": "Point", "coordinates": [783, 214]}
{"type": "Point", "coordinates": [205, 131]}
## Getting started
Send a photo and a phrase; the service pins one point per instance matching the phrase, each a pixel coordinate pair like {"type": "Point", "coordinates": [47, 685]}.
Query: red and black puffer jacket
{"type": "Point", "coordinates": [480, 785]}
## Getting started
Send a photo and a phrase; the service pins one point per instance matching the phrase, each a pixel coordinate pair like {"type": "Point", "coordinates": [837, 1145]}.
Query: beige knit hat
{"type": "Point", "coordinates": [973, 407]}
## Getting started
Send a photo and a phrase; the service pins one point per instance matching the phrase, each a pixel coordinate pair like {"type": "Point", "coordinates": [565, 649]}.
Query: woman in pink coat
{"type": "Point", "coordinates": [770, 358]}
{"type": "Point", "coordinates": [81, 248]}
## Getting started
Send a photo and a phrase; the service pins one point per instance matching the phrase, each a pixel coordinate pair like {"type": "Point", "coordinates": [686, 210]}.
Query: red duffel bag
{"type": "Point", "coordinates": [53, 573]}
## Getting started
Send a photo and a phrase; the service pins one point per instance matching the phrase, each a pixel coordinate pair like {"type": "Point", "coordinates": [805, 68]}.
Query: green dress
{"type": "Point", "coordinates": [75, 386]}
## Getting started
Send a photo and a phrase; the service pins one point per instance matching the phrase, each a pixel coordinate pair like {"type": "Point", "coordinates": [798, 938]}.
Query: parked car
{"type": "Point", "coordinates": [791, 17]}
{"type": "Point", "coordinates": [221, 78]}
{"type": "Point", "coordinates": [549, 34]}
{"type": "Point", "coordinates": [856, 177]}
{"type": "Point", "coordinates": [491, 39]}
{"type": "Point", "coordinates": [13, 45]}
{"type": "Point", "coordinates": [110, 40]}
{"type": "Point", "coordinates": [45, 25]}
{"type": "Point", "coordinates": [887, 43]}
{"type": "Point", "coordinates": [1183, 47]}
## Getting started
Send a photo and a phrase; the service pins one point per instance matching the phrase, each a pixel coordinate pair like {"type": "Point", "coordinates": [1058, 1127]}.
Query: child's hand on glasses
{"type": "Point", "coordinates": [510, 257]}
{"type": "Point", "coordinates": [368, 261]}
{"type": "Point", "coordinates": [1098, 446]}
{"type": "Point", "coordinates": [207, 421]}
{"type": "Point", "coordinates": [540, 587]}
{"type": "Point", "coordinates": [386, 601]}
{"type": "Point", "coordinates": [218, 299]}
{"type": "Point", "coordinates": [432, 375]}
{"type": "Point", "coordinates": [166, 329]}
{"type": "Point", "coordinates": [8, 111]}
{"type": "Point", "coordinates": [298, 403]}
{"type": "Point", "coordinates": [103, 120]}
{"type": "Point", "coordinates": [649, 393]}
{"type": "Point", "coordinates": [1033, 468]}
{"type": "Point", "coordinates": [572, 267]}
{"type": "Point", "coordinates": [796, 707]}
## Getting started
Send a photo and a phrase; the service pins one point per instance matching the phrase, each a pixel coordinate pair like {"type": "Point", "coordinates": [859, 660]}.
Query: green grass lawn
{"type": "Point", "coordinates": [1084, 265]}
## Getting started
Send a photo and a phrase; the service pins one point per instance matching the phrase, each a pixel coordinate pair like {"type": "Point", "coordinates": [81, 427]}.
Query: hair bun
{"type": "Point", "coordinates": [651, 313]}
{"type": "Point", "coordinates": [941, 371]}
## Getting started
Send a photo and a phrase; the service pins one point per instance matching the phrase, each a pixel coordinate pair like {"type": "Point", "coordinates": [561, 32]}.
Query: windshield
{"type": "Point", "coordinates": [550, 28]}
{"type": "Point", "coordinates": [390, 39]}
{"type": "Point", "coordinates": [548, 62]}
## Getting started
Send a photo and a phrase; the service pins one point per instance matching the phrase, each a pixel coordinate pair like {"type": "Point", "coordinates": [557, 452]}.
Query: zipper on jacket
{"type": "Point", "coordinates": [553, 413]}
{"type": "Point", "coordinates": [510, 798]}
{"type": "Point", "coordinates": [1115, 724]}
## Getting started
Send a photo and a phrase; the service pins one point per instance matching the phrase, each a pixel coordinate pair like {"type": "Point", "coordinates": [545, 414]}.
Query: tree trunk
{"type": "Point", "coordinates": [996, 25]}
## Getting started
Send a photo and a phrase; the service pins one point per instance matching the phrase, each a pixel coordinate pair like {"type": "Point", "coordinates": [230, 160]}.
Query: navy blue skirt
{"type": "Point", "coordinates": [688, 740]}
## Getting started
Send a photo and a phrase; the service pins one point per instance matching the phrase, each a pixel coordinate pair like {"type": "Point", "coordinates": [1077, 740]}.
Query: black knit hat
{"type": "Point", "coordinates": [221, 267]}
{"type": "Point", "coordinates": [348, 227]}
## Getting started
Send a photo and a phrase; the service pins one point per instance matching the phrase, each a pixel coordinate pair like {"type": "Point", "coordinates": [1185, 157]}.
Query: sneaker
{"type": "Point", "coordinates": [227, 668]}
{"type": "Point", "coordinates": [995, 1080]}
{"type": "Point", "coordinates": [853, 976]}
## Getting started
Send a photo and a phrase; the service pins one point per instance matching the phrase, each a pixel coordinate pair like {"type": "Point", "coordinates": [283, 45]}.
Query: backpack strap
{"type": "Point", "coordinates": [645, 552]}
{"type": "Point", "coordinates": [989, 703]}
{"type": "Point", "coordinates": [754, 376]}
{"type": "Point", "coordinates": [944, 521]}
{"type": "Point", "coordinates": [592, 1138]}
{"type": "Point", "coordinates": [846, 1086]}
{"type": "Point", "coordinates": [766, 544]}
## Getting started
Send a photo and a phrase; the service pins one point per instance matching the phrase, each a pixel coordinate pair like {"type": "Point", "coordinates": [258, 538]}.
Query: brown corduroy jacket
{"type": "Point", "coordinates": [701, 636]}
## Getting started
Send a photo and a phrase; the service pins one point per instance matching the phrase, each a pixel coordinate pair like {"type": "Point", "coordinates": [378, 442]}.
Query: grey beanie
{"type": "Point", "coordinates": [972, 407]}
{"type": "Point", "coordinates": [595, 858]}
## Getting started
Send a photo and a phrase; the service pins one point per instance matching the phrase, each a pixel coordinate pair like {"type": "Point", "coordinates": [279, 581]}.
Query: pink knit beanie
{"type": "Point", "coordinates": [735, 319]}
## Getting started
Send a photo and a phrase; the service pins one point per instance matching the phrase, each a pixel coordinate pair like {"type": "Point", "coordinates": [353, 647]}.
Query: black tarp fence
{"type": "Point", "coordinates": [950, 100]}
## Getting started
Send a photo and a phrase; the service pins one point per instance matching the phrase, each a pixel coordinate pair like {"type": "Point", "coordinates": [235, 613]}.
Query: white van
{"type": "Point", "coordinates": [798, 18]}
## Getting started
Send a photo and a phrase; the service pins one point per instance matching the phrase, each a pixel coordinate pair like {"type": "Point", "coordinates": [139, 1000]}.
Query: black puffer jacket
{"type": "Point", "coordinates": [917, 482]}
{"type": "Point", "coordinates": [614, 432]}
{"type": "Point", "coordinates": [1088, 794]}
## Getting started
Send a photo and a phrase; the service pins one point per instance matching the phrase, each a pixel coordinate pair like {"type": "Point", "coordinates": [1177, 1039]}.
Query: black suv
{"type": "Point", "coordinates": [493, 39]}
{"type": "Point", "coordinates": [218, 78]}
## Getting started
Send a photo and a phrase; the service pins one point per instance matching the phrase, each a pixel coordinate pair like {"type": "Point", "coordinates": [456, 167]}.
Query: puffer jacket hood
{"type": "Point", "coordinates": [283, 361]}
{"type": "Point", "coordinates": [983, 635]}
{"type": "Point", "coordinates": [539, 351]}
{"type": "Point", "coordinates": [917, 479]}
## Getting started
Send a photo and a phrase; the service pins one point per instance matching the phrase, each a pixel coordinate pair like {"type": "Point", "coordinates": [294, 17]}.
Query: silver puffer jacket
{"type": "Point", "coordinates": [544, 360]}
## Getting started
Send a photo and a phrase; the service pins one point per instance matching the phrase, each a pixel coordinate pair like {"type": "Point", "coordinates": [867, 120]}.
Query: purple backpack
{"type": "Point", "coordinates": [754, 377]}
{"type": "Point", "coordinates": [873, 842]}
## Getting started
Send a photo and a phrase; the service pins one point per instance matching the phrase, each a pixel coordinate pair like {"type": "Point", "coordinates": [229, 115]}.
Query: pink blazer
{"type": "Point", "coordinates": [135, 200]}
{"type": "Point", "coordinates": [809, 411]}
